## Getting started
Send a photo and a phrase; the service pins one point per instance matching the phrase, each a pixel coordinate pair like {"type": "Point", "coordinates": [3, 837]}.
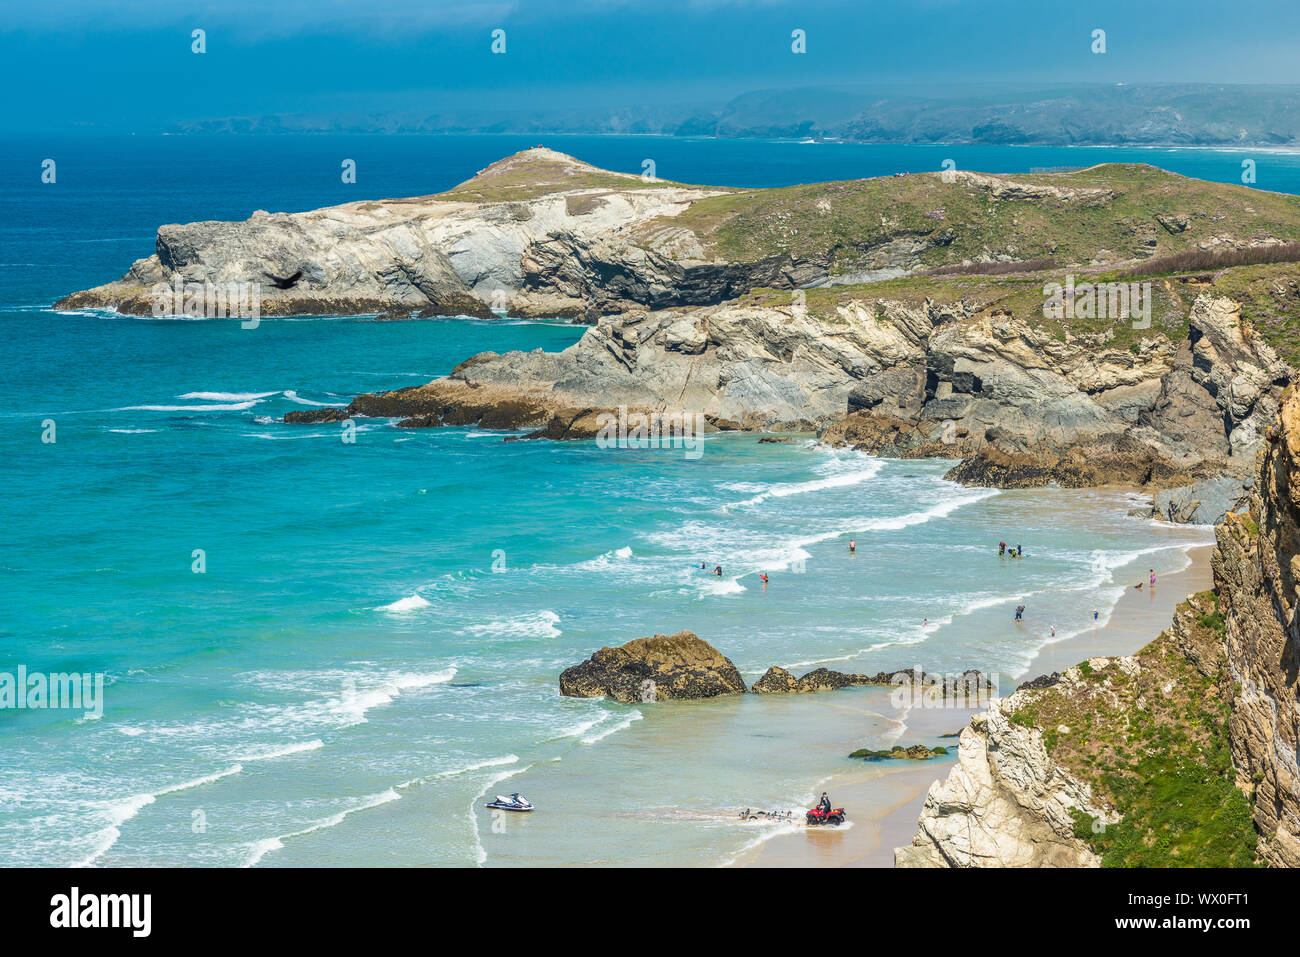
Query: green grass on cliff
{"type": "Point", "coordinates": [845, 220]}
{"type": "Point", "coordinates": [1155, 747]}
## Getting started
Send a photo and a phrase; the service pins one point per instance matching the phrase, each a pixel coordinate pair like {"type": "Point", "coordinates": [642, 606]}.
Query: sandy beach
{"type": "Point", "coordinates": [885, 798]}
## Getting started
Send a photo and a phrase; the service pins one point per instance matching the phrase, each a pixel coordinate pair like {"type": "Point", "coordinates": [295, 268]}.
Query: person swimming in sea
{"type": "Point", "coordinates": [762, 578]}
{"type": "Point", "coordinates": [718, 571]}
{"type": "Point", "coordinates": [853, 546]}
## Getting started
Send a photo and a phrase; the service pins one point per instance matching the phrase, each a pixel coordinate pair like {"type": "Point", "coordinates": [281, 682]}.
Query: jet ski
{"type": "Point", "coordinates": [516, 802]}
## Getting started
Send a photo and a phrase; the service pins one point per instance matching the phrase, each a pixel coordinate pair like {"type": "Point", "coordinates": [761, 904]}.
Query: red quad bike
{"type": "Point", "coordinates": [817, 817]}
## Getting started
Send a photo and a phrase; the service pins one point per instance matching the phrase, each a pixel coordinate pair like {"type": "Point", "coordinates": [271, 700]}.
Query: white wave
{"type": "Point", "coordinates": [354, 704]}
{"type": "Point", "coordinates": [722, 586]}
{"type": "Point", "coordinates": [132, 431]}
{"type": "Point", "coordinates": [613, 728]}
{"type": "Point", "coordinates": [480, 853]}
{"type": "Point", "coordinates": [842, 480]}
{"type": "Point", "coordinates": [405, 605]}
{"type": "Point", "coordinates": [541, 624]}
{"type": "Point", "coordinates": [259, 849]}
{"type": "Point", "coordinates": [942, 510]}
{"type": "Point", "coordinates": [293, 396]}
{"type": "Point", "coordinates": [227, 396]}
{"type": "Point", "coordinates": [119, 812]}
{"type": "Point", "coordinates": [481, 765]}
{"type": "Point", "coordinates": [285, 751]}
{"type": "Point", "coordinates": [234, 407]}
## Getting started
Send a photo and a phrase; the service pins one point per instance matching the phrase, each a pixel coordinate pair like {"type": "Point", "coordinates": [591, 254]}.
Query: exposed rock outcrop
{"type": "Point", "coordinates": [1257, 572]}
{"type": "Point", "coordinates": [916, 752]}
{"type": "Point", "coordinates": [1005, 803]}
{"type": "Point", "coordinates": [777, 680]}
{"type": "Point", "coordinates": [540, 233]}
{"type": "Point", "coordinates": [660, 668]}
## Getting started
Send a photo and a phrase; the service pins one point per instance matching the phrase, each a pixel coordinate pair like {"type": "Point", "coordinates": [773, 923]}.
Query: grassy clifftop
{"type": "Point", "coordinates": [1124, 210]}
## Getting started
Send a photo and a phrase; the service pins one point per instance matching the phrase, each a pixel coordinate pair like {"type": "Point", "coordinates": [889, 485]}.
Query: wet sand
{"type": "Point", "coordinates": [884, 804]}
{"type": "Point", "coordinates": [1138, 617]}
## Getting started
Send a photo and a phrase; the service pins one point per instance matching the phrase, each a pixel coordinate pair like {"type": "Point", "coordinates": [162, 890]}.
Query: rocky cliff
{"type": "Point", "coordinates": [963, 367]}
{"type": "Point", "coordinates": [543, 234]}
{"type": "Point", "coordinates": [1257, 573]}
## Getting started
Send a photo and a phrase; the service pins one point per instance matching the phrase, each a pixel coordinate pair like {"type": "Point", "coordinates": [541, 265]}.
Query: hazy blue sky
{"type": "Point", "coordinates": [68, 63]}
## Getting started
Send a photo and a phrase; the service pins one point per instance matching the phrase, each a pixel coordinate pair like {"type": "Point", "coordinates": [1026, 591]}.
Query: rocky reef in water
{"type": "Point", "coordinates": [684, 666]}
{"type": "Point", "coordinates": [777, 680]}
{"type": "Point", "coordinates": [659, 668]}
{"type": "Point", "coordinates": [1183, 754]}
{"type": "Point", "coordinates": [915, 752]}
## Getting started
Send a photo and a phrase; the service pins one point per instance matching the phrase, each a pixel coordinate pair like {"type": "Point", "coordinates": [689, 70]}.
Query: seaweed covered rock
{"type": "Point", "coordinates": [659, 668]}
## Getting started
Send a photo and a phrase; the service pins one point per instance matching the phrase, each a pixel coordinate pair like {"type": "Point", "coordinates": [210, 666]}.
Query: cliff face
{"type": "Point", "coordinates": [543, 234]}
{"type": "Point", "coordinates": [1004, 804]}
{"type": "Point", "coordinates": [965, 370]}
{"type": "Point", "coordinates": [1257, 571]}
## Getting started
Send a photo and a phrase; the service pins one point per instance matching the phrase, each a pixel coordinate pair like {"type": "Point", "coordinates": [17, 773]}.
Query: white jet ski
{"type": "Point", "coordinates": [516, 802]}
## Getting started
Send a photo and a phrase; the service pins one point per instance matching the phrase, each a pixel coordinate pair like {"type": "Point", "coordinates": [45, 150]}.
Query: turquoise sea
{"type": "Point", "coordinates": [372, 641]}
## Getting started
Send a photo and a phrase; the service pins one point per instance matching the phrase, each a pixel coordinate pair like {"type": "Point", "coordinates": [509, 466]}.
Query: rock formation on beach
{"type": "Point", "coordinates": [1182, 754]}
{"type": "Point", "coordinates": [660, 668]}
{"type": "Point", "coordinates": [777, 680]}
{"type": "Point", "coordinates": [915, 752]}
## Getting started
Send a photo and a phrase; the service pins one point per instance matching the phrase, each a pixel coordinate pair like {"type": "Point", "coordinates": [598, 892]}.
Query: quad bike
{"type": "Point", "coordinates": [818, 818]}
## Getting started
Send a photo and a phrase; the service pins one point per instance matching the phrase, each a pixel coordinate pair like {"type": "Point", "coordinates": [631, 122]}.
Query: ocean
{"type": "Point", "coordinates": [318, 652]}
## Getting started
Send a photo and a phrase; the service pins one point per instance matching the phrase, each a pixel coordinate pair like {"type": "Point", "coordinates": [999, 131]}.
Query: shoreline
{"type": "Point", "coordinates": [895, 797]}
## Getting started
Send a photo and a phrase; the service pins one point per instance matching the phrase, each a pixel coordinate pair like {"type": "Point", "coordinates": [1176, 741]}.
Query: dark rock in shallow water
{"type": "Point", "coordinates": [779, 681]}
{"type": "Point", "coordinates": [917, 752]}
{"type": "Point", "coordinates": [312, 416]}
{"type": "Point", "coordinates": [661, 668]}
{"type": "Point", "coordinates": [773, 439]}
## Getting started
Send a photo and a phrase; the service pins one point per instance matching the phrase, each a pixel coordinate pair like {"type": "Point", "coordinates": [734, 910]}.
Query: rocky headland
{"type": "Point", "coordinates": [900, 315]}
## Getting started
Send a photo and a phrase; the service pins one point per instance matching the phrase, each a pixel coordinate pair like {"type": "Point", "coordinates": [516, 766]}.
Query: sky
{"type": "Point", "coordinates": [74, 65]}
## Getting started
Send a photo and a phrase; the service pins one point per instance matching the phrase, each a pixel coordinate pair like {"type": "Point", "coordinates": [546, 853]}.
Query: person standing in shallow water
{"type": "Point", "coordinates": [1153, 575]}
{"type": "Point", "coordinates": [853, 546]}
